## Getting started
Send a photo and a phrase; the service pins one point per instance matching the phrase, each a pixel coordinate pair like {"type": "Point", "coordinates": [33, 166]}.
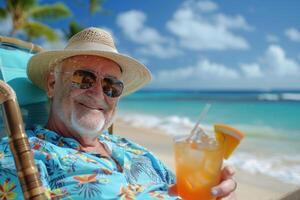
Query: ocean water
{"type": "Point", "coordinates": [270, 120]}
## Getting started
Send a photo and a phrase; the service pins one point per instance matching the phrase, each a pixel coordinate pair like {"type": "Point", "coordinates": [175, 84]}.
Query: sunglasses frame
{"type": "Point", "coordinates": [99, 77]}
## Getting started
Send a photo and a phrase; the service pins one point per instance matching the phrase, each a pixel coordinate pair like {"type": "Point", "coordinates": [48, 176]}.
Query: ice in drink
{"type": "Point", "coordinates": [198, 165]}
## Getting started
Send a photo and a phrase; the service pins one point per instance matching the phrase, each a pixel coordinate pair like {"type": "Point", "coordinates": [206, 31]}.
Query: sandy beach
{"type": "Point", "coordinates": [250, 186]}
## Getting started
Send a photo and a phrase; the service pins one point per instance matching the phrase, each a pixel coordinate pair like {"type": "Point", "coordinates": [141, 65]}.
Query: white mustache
{"type": "Point", "coordinates": [93, 102]}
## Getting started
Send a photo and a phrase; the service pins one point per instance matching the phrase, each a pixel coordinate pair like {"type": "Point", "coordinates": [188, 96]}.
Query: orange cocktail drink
{"type": "Point", "coordinates": [198, 166]}
{"type": "Point", "coordinates": [199, 158]}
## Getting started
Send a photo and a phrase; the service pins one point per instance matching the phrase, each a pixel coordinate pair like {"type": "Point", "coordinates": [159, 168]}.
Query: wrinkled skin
{"type": "Point", "coordinates": [77, 113]}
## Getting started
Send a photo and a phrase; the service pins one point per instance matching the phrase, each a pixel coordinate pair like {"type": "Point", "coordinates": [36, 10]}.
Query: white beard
{"type": "Point", "coordinates": [86, 131]}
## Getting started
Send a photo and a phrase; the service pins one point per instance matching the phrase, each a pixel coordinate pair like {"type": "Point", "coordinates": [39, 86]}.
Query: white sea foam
{"type": "Point", "coordinates": [291, 96]}
{"type": "Point", "coordinates": [172, 125]}
{"type": "Point", "coordinates": [268, 97]}
{"type": "Point", "coordinates": [279, 97]}
{"type": "Point", "coordinates": [176, 125]}
{"type": "Point", "coordinates": [284, 168]}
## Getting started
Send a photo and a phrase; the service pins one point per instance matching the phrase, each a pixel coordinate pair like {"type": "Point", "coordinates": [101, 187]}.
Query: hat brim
{"type": "Point", "coordinates": [134, 74]}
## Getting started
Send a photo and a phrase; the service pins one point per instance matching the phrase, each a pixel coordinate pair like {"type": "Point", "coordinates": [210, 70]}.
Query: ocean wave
{"type": "Point", "coordinates": [177, 125]}
{"type": "Point", "coordinates": [291, 96]}
{"type": "Point", "coordinates": [171, 125]}
{"type": "Point", "coordinates": [278, 97]}
{"type": "Point", "coordinates": [268, 97]}
{"type": "Point", "coordinates": [282, 167]}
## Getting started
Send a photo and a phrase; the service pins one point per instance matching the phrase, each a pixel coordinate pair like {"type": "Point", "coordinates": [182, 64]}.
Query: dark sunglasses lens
{"type": "Point", "coordinates": [112, 87]}
{"type": "Point", "coordinates": [83, 79]}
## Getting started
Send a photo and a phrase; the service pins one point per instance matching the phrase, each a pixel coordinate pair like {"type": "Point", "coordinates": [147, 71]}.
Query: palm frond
{"type": "Point", "coordinates": [95, 5]}
{"type": "Point", "coordinates": [74, 28]}
{"type": "Point", "coordinates": [25, 5]}
{"type": "Point", "coordinates": [36, 29]}
{"type": "Point", "coordinates": [20, 4]}
{"type": "Point", "coordinates": [50, 12]}
{"type": "Point", "coordinates": [3, 13]}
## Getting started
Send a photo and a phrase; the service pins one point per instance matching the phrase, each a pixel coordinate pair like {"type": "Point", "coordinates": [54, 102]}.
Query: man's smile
{"type": "Point", "coordinates": [91, 107]}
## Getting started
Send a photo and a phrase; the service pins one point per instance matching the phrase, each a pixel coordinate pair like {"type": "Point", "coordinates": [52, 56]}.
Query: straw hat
{"type": "Point", "coordinates": [90, 41]}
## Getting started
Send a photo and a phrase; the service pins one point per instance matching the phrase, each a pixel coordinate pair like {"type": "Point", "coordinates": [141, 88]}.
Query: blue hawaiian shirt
{"type": "Point", "coordinates": [66, 172]}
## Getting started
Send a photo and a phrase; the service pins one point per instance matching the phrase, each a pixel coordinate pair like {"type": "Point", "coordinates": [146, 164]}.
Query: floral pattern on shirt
{"type": "Point", "coordinates": [66, 172]}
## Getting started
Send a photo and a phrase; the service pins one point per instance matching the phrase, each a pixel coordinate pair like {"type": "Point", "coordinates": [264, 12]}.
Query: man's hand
{"type": "Point", "coordinates": [225, 190]}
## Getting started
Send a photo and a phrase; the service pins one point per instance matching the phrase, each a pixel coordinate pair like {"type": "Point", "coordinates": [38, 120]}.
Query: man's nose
{"type": "Point", "coordinates": [97, 90]}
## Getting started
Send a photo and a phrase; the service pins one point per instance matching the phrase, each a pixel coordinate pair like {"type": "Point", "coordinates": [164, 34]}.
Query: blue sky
{"type": "Point", "coordinates": [229, 44]}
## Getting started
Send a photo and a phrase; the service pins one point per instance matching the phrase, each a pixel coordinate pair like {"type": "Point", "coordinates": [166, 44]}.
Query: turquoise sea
{"type": "Point", "coordinates": [271, 121]}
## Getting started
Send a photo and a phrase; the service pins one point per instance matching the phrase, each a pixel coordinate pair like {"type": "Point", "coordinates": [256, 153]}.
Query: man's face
{"type": "Point", "coordinates": [87, 111]}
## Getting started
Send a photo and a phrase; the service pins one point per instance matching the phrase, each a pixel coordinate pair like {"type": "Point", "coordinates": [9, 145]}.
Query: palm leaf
{"type": "Point", "coordinates": [36, 29]}
{"type": "Point", "coordinates": [20, 4]}
{"type": "Point", "coordinates": [95, 5]}
{"type": "Point", "coordinates": [74, 28]}
{"type": "Point", "coordinates": [3, 13]}
{"type": "Point", "coordinates": [26, 5]}
{"type": "Point", "coordinates": [50, 12]}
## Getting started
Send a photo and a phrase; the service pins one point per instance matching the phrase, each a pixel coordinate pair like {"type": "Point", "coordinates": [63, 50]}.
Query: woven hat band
{"type": "Point", "coordinates": [90, 46]}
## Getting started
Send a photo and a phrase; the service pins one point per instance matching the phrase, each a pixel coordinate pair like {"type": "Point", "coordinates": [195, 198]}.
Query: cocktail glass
{"type": "Point", "coordinates": [198, 165]}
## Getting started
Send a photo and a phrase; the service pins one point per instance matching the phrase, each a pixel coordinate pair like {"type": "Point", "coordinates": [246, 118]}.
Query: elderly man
{"type": "Point", "coordinates": [76, 157]}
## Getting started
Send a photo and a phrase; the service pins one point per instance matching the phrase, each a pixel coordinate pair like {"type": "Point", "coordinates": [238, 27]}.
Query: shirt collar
{"type": "Point", "coordinates": [111, 143]}
{"type": "Point", "coordinates": [56, 139]}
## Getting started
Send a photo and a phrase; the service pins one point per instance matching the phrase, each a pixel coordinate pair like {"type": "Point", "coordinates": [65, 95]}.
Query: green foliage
{"type": "Point", "coordinates": [74, 28]}
{"type": "Point", "coordinates": [3, 13]}
{"type": "Point", "coordinates": [28, 15]}
{"type": "Point", "coordinates": [36, 29]}
{"type": "Point", "coordinates": [22, 12]}
{"type": "Point", "coordinates": [50, 12]}
{"type": "Point", "coordinates": [19, 5]}
{"type": "Point", "coordinates": [95, 5]}
{"type": "Point", "coordinates": [23, 4]}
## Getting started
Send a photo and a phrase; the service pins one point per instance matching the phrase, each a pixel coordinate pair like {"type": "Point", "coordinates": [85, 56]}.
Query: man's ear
{"type": "Point", "coordinates": [50, 84]}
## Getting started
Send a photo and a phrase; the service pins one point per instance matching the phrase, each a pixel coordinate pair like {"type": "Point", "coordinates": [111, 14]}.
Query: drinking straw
{"type": "Point", "coordinates": [201, 117]}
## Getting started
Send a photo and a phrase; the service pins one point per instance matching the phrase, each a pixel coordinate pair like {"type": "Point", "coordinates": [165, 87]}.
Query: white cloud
{"type": "Point", "coordinates": [206, 6]}
{"type": "Point", "coordinates": [159, 51]}
{"type": "Point", "coordinates": [204, 69]}
{"type": "Point", "coordinates": [293, 34]}
{"type": "Point", "coordinates": [272, 38]}
{"type": "Point", "coordinates": [236, 22]}
{"type": "Point", "coordinates": [133, 25]}
{"type": "Point", "coordinates": [274, 64]}
{"type": "Point", "coordinates": [278, 64]}
{"type": "Point", "coordinates": [251, 70]}
{"type": "Point", "coordinates": [153, 43]}
{"type": "Point", "coordinates": [213, 31]}
{"type": "Point", "coordinates": [273, 70]}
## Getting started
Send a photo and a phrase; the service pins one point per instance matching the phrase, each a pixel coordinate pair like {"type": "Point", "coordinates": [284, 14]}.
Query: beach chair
{"type": "Point", "coordinates": [14, 55]}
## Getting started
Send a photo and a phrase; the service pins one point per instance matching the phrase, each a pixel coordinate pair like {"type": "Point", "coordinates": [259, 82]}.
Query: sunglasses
{"type": "Point", "coordinates": [83, 79]}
